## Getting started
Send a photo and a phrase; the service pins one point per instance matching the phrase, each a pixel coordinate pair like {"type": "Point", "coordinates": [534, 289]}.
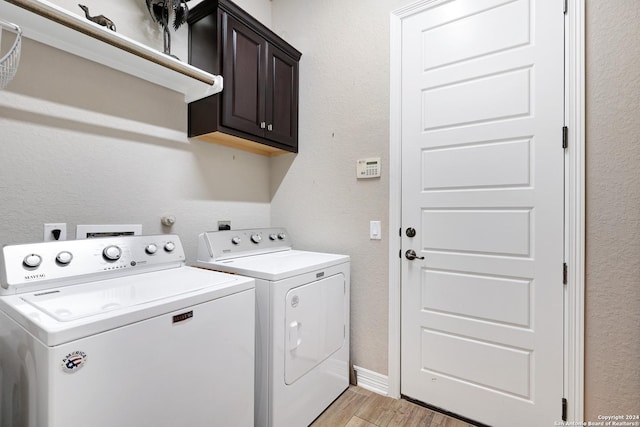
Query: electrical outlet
{"type": "Point", "coordinates": [54, 231]}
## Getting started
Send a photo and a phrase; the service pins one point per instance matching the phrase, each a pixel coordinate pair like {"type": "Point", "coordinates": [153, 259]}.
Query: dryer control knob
{"type": "Point", "coordinates": [64, 257]}
{"type": "Point", "coordinates": [282, 236]}
{"type": "Point", "coordinates": [32, 260]}
{"type": "Point", "coordinates": [169, 246]}
{"type": "Point", "coordinates": [112, 253]}
{"type": "Point", "coordinates": [151, 249]}
{"type": "Point", "coordinates": [235, 240]}
{"type": "Point", "coordinates": [273, 236]}
{"type": "Point", "coordinates": [256, 238]}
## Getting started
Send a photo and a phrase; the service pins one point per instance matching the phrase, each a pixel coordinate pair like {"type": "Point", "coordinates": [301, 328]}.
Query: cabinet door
{"type": "Point", "coordinates": [243, 96]}
{"type": "Point", "coordinates": [282, 97]}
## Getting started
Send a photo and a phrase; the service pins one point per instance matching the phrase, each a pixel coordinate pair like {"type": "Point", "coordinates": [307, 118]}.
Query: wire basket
{"type": "Point", "coordinates": [9, 61]}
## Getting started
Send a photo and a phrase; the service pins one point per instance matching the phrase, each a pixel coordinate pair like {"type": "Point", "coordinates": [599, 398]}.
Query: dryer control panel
{"type": "Point", "coordinates": [43, 265]}
{"type": "Point", "coordinates": [226, 244]}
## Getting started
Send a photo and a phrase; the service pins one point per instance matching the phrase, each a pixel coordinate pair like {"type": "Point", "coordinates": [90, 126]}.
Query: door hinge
{"type": "Point", "coordinates": [564, 409]}
{"type": "Point", "coordinates": [566, 6]}
{"type": "Point", "coordinates": [400, 231]}
{"type": "Point", "coordinates": [565, 137]}
{"type": "Point", "coordinates": [565, 273]}
{"type": "Point", "coordinates": [400, 254]}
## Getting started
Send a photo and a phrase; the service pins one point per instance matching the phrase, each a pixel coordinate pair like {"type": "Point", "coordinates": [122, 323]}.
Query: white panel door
{"type": "Point", "coordinates": [482, 185]}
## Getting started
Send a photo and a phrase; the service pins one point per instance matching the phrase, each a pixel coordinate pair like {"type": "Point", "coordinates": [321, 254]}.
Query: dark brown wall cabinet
{"type": "Point", "coordinates": [257, 109]}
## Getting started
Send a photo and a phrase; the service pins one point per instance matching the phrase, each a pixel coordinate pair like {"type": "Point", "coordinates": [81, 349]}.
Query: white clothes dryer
{"type": "Point", "coordinates": [117, 331]}
{"type": "Point", "coordinates": [302, 320]}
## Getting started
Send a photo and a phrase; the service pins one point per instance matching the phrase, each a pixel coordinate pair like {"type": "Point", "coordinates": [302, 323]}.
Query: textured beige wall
{"type": "Point", "coordinates": [612, 359]}
{"type": "Point", "coordinates": [83, 144]}
{"type": "Point", "coordinates": [344, 116]}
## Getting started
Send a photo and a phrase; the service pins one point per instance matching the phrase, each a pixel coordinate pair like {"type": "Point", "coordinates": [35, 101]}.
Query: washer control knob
{"type": "Point", "coordinates": [273, 236]}
{"type": "Point", "coordinates": [64, 257]}
{"type": "Point", "coordinates": [236, 240]}
{"type": "Point", "coordinates": [256, 238]}
{"type": "Point", "coordinates": [112, 253]}
{"type": "Point", "coordinates": [169, 246]}
{"type": "Point", "coordinates": [282, 236]}
{"type": "Point", "coordinates": [151, 249]}
{"type": "Point", "coordinates": [32, 260]}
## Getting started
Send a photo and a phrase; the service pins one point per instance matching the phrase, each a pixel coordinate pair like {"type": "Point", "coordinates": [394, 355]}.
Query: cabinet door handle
{"type": "Point", "coordinates": [270, 127]}
{"type": "Point", "coordinates": [263, 125]}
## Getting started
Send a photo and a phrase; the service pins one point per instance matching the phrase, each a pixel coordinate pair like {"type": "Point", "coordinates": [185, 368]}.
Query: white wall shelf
{"type": "Point", "coordinates": [54, 26]}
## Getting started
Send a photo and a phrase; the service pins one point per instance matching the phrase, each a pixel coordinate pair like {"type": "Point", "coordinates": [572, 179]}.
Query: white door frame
{"type": "Point", "coordinates": [574, 202]}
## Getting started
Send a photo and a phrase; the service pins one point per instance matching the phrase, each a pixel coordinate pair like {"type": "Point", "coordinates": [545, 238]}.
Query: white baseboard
{"type": "Point", "coordinates": [372, 381]}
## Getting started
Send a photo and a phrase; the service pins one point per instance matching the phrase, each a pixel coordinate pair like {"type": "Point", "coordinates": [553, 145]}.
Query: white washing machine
{"type": "Point", "coordinates": [117, 331]}
{"type": "Point", "coordinates": [302, 320]}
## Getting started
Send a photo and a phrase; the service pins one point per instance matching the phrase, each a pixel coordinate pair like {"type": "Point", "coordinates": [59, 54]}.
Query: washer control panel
{"type": "Point", "coordinates": [57, 263]}
{"type": "Point", "coordinates": [225, 244]}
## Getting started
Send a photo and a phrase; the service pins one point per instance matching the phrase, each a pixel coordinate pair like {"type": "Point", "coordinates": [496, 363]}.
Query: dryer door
{"type": "Point", "coordinates": [315, 325]}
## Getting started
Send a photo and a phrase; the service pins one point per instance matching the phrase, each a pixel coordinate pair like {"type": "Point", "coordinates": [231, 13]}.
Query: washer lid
{"type": "Point", "coordinates": [77, 302]}
{"type": "Point", "coordinates": [277, 265]}
{"type": "Point", "coordinates": [64, 314]}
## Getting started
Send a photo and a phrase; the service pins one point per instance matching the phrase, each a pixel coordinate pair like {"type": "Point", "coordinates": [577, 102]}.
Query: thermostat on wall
{"type": "Point", "coordinates": [368, 168]}
{"type": "Point", "coordinates": [107, 230]}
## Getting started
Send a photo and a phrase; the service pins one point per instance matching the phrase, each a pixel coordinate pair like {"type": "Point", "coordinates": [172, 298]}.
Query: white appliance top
{"type": "Point", "coordinates": [98, 295]}
{"type": "Point", "coordinates": [260, 253]}
{"type": "Point", "coordinates": [43, 265]}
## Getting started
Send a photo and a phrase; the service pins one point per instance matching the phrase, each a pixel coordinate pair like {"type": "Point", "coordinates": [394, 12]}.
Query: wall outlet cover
{"type": "Point", "coordinates": [54, 231]}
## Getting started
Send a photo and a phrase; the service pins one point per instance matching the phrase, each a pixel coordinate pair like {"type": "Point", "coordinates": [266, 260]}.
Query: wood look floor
{"type": "Point", "coordinates": [357, 407]}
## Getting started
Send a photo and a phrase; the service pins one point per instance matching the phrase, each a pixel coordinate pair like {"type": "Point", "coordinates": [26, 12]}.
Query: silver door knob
{"type": "Point", "coordinates": [411, 255]}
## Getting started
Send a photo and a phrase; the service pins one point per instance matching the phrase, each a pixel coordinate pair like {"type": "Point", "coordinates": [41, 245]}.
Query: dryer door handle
{"type": "Point", "coordinates": [294, 335]}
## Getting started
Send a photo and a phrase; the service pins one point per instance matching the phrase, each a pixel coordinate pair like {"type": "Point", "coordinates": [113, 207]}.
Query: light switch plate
{"type": "Point", "coordinates": [375, 230]}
